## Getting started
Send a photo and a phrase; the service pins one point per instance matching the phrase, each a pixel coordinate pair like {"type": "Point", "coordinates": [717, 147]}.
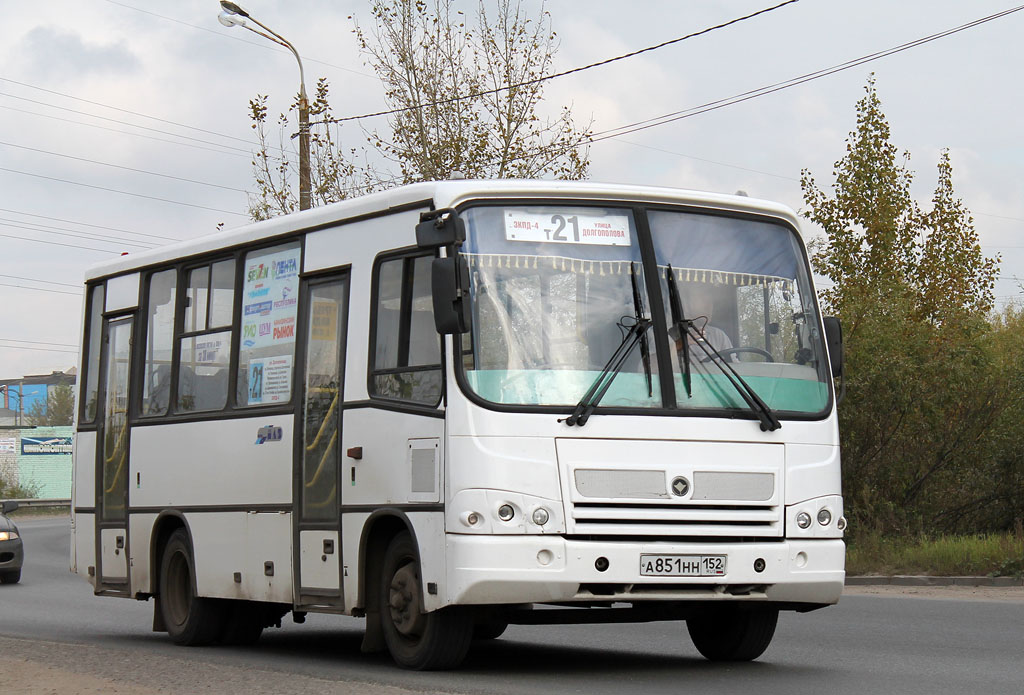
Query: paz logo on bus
{"type": "Point", "coordinates": [269, 433]}
{"type": "Point", "coordinates": [680, 486]}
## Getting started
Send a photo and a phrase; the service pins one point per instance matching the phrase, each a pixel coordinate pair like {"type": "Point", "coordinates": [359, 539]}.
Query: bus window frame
{"type": "Point", "coordinates": [182, 266]}
{"type": "Point", "coordinates": [404, 253]}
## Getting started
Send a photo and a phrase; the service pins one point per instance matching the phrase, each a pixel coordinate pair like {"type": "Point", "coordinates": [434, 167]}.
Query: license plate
{"type": "Point", "coordinates": [682, 565]}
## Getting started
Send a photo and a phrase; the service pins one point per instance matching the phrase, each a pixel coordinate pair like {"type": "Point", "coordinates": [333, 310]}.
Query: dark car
{"type": "Point", "coordinates": [11, 554]}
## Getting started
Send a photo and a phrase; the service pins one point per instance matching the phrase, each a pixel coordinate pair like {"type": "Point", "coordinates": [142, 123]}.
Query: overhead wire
{"type": "Point", "coordinates": [802, 79]}
{"type": "Point", "coordinates": [129, 193]}
{"type": "Point", "coordinates": [127, 123]}
{"type": "Point", "coordinates": [40, 289]}
{"type": "Point", "coordinates": [118, 166]}
{"type": "Point", "coordinates": [238, 38]}
{"type": "Point", "coordinates": [60, 231]}
{"type": "Point", "coordinates": [86, 224]}
{"type": "Point", "coordinates": [50, 282]}
{"type": "Point", "coordinates": [126, 132]}
{"type": "Point", "coordinates": [544, 78]}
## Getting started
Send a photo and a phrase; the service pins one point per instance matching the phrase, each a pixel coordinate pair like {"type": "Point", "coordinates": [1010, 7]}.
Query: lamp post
{"type": "Point", "coordinates": [234, 16]}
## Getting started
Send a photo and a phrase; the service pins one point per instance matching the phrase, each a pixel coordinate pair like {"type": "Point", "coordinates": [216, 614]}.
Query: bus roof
{"type": "Point", "coordinates": [439, 194]}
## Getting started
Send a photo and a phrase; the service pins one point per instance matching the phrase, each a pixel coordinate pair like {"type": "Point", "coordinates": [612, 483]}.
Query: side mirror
{"type": "Point", "coordinates": [9, 506]}
{"type": "Point", "coordinates": [449, 277]}
{"type": "Point", "coordinates": [834, 338]}
{"type": "Point", "coordinates": [439, 228]}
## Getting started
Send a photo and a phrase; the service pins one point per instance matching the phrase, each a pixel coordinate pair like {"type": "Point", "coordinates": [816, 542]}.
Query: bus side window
{"type": "Point", "coordinates": [156, 383]}
{"type": "Point", "coordinates": [406, 352]}
{"type": "Point", "coordinates": [204, 351]}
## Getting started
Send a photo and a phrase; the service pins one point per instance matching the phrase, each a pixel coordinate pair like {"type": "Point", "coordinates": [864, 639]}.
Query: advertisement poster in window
{"type": "Point", "coordinates": [270, 298]}
{"type": "Point", "coordinates": [270, 379]}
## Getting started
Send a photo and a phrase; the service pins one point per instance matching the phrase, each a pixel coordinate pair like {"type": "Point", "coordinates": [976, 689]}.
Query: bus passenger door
{"type": "Point", "coordinates": [112, 445]}
{"type": "Point", "coordinates": [318, 561]}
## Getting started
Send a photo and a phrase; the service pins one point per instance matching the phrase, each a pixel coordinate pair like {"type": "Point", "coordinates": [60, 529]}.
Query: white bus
{"type": "Point", "coordinates": [458, 405]}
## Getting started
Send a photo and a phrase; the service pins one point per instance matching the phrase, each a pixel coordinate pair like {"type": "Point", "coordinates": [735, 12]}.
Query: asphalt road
{"type": "Point", "coordinates": [866, 644]}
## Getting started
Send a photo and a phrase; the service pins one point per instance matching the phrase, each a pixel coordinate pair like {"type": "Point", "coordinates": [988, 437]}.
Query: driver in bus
{"type": "Point", "coordinates": [698, 307]}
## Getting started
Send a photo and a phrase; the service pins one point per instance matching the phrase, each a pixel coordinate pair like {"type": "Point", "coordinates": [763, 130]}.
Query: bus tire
{"type": "Point", "coordinates": [732, 635]}
{"type": "Point", "coordinates": [418, 640]}
{"type": "Point", "coordinates": [10, 577]}
{"type": "Point", "coordinates": [189, 619]}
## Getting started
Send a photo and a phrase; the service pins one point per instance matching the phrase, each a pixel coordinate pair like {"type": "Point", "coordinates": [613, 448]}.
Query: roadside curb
{"type": "Point", "coordinates": [925, 580]}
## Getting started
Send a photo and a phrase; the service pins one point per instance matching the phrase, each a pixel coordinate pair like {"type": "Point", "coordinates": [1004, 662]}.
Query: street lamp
{"type": "Point", "coordinates": [234, 16]}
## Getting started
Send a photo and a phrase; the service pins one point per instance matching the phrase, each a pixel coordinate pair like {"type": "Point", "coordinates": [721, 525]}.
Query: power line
{"type": "Point", "coordinates": [114, 120]}
{"type": "Point", "coordinates": [40, 342]}
{"type": "Point", "coordinates": [39, 289]}
{"type": "Point", "coordinates": [238, 38]}
{"type": "Point", "coordinates": [115, 190]}
{"type": "Point", "coordinates": [86, 224]}
{"type": "Point", "coordinates": [126, 132]}
{"type": "Point", "coordinates": [55, 243]}
{"type": "Point", "coordinates": [709, 161]}
{"type": "Point", "coordinates": [50, 282]}
{"type": "Point", "coordinates": [475, 95]}
{"type": "Point", "coordinates": [117, 108]}
{"type": "Point", "coordinates": [40, 349]}
{"type": "Point", "coordinates": [118, 166]}
{"type": "Point", "coordinates": [102, 238]}
{"type": "Point", "coordinates": [762, 91]}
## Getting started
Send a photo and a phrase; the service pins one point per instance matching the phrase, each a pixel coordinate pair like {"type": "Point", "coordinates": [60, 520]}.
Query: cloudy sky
{"type": "Point", "coordinates": [123, 123]}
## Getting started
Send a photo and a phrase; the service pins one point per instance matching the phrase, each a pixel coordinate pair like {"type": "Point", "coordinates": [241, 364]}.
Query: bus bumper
{"type": "Point", "coordinates": [542, 569]}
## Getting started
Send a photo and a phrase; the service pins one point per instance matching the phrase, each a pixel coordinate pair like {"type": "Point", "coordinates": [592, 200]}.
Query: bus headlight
{"type": "Point", "coordinates": [824, 516]}
{"type": "Point", "coordinates": [803, 520]}
{"type": "Point", "coordinates": [484, 511]}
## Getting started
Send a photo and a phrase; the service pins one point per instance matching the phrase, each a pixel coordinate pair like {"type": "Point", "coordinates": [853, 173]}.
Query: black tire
{"type": "Point", "coordinates": [733, 635]}
{"type": "Point", "coordinates": [418, 640]}
{"type": "Point", "coordinates": [10, 577]}
{"type": "Point", "coordinates": [243, 623]}
{"type": "Point", "coordinates": [189, 619]}
{"type": "Point", "coordinates": [489, 629]}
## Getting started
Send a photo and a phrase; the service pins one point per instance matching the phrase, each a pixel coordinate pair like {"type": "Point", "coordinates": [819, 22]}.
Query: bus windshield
{"type": "Point", "coordinates": [553, 294]}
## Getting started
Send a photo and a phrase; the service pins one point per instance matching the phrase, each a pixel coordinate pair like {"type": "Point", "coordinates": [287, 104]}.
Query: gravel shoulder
{"type": "Point", "coordinates": [954, 593]}
{"type": "Point", "coordinates": [39, 667]}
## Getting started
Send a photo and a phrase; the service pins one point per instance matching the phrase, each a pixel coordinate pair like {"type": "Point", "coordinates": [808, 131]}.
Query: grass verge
{"type": "Point", "coordinates": [944, 556]}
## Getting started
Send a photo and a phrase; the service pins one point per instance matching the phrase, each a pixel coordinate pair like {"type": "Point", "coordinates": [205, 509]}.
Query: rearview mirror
{"type": "Point", "coordinates": [449, 277]}
{"type": "Point", "coordinates": [439, 228]}
{"type": "Point", "coordinates": [9, 506]}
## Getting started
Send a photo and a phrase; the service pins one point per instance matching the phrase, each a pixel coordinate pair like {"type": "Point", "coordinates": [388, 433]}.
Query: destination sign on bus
{"type": "Point", "coordinates": [568, 228]}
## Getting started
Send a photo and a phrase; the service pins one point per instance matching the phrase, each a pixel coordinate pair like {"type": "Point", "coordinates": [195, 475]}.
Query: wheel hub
{"type": "Point", "coordinates": [405, 601]}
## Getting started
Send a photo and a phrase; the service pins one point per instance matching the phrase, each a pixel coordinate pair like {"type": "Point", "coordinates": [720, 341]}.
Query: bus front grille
{"type": "Point", "coordinates": [692, 520]}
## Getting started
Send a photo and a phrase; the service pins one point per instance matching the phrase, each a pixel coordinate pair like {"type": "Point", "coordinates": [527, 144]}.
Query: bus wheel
{"type": "Point", "coordinates": [733, 635]}
{"type": "Point", "coordinates": [418, 640]}
{"type": "Point", "coordinates": [189, 620]}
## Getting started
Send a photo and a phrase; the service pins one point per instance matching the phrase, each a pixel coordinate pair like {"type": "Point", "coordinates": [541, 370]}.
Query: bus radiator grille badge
{"type": "Point", "coordinates": [679, 487]}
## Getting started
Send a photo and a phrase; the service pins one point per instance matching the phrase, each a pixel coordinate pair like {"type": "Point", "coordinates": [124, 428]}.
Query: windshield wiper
{"type": "Point", "coordinates": [769, 422]}
{"type": "Point", "coordinates": [676, 307]}
{"type": "Point", "coordinates": [634, 335]}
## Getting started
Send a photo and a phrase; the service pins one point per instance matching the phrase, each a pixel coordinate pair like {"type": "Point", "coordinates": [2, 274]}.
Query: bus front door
{"type": "Point", "coordinates": [112, 458]}
{"type": "Point", "coordinates": [317, 492]}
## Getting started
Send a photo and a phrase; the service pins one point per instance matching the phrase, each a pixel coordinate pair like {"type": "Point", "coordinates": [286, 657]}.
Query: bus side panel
{"type": "Point", "coordinates": [212, 463]}
{"type": "Point", "coordinates": [255, 546]}
{"type": "Point", "coordinates": [83, 496]}
{"type": "Point", "coordinates": [384, 478]}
